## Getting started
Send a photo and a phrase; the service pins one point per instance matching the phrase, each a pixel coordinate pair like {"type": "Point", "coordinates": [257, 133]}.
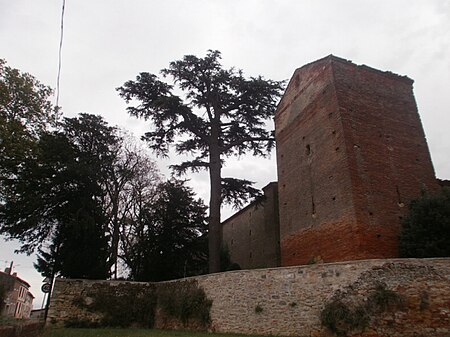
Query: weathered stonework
{"type": "Point", "coordinates": [22, 329]}
{"type": "Point", "coordinates": [290, 299]}
{"type": "Point", "coordinates": [252, 235]}
{"type": "Point", "coordinates": [351, 153]}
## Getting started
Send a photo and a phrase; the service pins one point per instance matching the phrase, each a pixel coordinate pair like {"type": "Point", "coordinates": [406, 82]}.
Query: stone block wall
{"type": "Point", "coordinates": [23, 329]}
{"type": "Point", "coordinates": [288, 300]}
{"type": "Point", "coordinates": [252, 235]}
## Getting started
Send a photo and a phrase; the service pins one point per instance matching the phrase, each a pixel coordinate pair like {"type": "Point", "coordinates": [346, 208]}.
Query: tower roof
{"type": "Point", "coordinates": [304, 81]}
{"type": "Point", "coordinates": [333, 60]}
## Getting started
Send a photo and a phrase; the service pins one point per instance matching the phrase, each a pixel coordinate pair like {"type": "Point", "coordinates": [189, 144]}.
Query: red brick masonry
{"type": "Point", "coordinates": [351, 153]}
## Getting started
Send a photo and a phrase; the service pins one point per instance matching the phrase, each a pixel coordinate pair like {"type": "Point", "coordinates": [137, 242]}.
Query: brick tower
{"type": "Point", "coordinates": [351, 153]}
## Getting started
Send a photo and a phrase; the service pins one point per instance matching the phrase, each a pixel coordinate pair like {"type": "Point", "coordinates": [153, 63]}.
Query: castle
{"type": "Point", "coordinates": [351, 154]}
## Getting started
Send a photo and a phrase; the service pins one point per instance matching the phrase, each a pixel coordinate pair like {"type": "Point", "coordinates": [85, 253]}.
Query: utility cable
{"type": "Point", "coordinates": [60, 54]}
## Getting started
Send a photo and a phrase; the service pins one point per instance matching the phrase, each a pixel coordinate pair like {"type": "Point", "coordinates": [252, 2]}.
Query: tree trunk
{"type": "Point", "coordinates": [115, 233]}
{"type": "Point", "coordinates": [215, 227]}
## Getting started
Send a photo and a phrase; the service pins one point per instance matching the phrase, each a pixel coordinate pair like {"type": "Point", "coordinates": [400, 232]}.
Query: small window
{"type": "Point", "coordinates": [308, 149]}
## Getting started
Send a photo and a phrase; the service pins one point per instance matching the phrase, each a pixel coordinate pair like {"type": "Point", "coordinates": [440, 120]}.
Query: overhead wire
{"type": "Point", "coordinates": [60, 54]}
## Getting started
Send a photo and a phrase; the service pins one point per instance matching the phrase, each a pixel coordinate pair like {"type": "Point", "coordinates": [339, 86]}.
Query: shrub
{"type": "Point", "coordinates": [342, 317]}
{"type": "Point", "coordinates": [121, 305]}
{"type": "Point", "coordinates": [184, 300]}
{"type": "Point", "coordinates": [383, 299]}
{"type": "Point", "coordinates": [426, 228]}
{"type": "Point", "coordinates": [125, 304]}
{"type": "Point", "coordinates": [258, 309]}
{"type": "Point", "coordinates": [79, 323]}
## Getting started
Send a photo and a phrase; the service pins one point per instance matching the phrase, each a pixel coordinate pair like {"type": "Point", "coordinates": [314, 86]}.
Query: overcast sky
{"type": "Point", "coordinates": [107, 42]}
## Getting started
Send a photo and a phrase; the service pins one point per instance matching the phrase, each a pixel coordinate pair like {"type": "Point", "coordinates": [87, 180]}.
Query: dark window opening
{"type": "Point", "coordinates": [400, 202]}
{"type": "Point", "coordinates": [308, 150]}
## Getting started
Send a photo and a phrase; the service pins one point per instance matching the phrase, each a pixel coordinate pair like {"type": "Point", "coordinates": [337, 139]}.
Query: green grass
{"type": "Point", "coordinates": [128, 333]}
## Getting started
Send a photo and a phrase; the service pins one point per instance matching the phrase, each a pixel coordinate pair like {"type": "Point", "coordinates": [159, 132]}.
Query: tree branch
{"type": "Point", "coordinates": [244, 140]}
{"type": "Point", "coordinates": [194, 166]}
{"type": "Point", "coordinates": [238, 191]}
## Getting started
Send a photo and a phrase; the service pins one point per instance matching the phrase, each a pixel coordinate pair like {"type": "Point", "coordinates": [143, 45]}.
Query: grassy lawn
{"type": "Point", "coordinates": [128, 333]}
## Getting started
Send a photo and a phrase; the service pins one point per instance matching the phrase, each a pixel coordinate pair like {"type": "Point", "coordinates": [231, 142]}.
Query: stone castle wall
{"type": "Point", "coordinates": [288, 300]}
{"type": "Point", "coordinates": [252, 235]}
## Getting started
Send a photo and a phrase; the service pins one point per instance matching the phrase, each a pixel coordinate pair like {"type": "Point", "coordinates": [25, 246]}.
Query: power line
{"type": "Point", "coordinates": [60, 53]}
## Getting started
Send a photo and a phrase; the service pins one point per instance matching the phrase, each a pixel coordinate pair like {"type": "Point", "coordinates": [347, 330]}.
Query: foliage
{"type": "Point", "coordinates": [131, 186]}
{"type": "Point", "coordinates": [171, 233]}
{"type": "Point", "coordinates": [24, 99]}
{"type": "Point", "coordinates": [383, 299]}
{"type": "Point", "coordinates": [341, 316]}
{"type": "Point", "coordinates": [122, 305]}
{"type": "Point", "coordinates": [258, 309]}
{"type": "Point", "coordinates": [226, 264]}
{"type": "Point", "coordinates": [25, 112]}
{"type": "Point", "coordinates": [426, 228]}
{"type": "Point", "coordinates": [64, 187]}
{"type": "Point", "coordinates": [56, 199]}
{"type": "Point", "coordinates": [222, 114]}
{"type": "Point", "coordinates": [47, 262]}
{"type": "Point", "coordinates": [76, 196]}
{"type": "Point", "coordinates": [126, 304]}
{"type": "Point", "coordinates": [80, 323]}
{"type": "Point", "coordinates": [185, 301]}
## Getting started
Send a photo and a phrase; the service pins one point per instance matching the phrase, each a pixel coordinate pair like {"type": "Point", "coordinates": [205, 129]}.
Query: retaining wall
{"type": "Point", "coordinates": [288, 300]}
{"type": "Point", "coordinates": [25, 329]}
